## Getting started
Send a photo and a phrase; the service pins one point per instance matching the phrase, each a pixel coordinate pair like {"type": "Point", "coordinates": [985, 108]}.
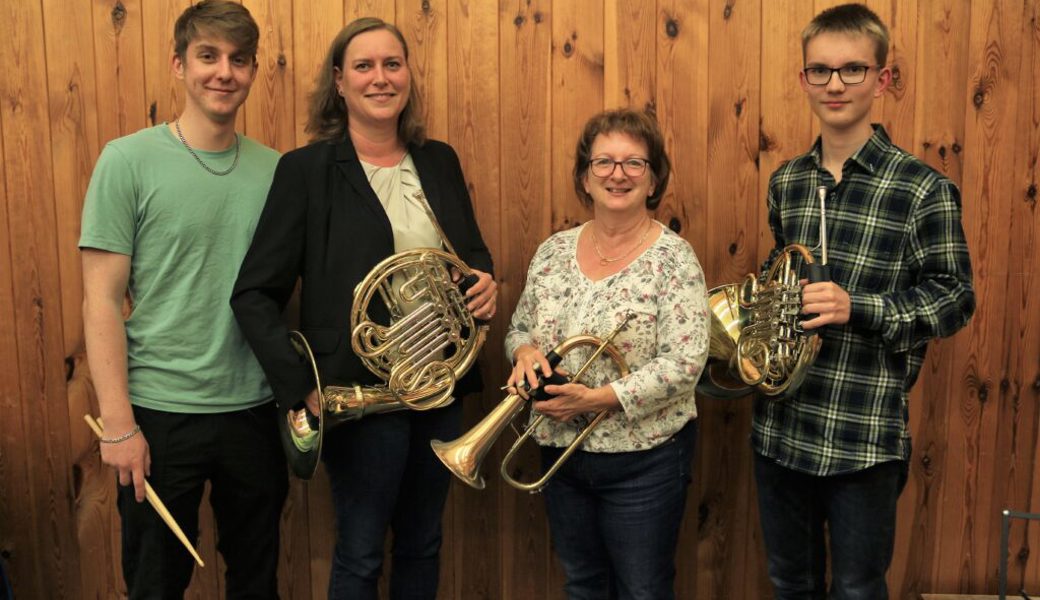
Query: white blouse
{"type": "Point", "coordinates": [665, 346]}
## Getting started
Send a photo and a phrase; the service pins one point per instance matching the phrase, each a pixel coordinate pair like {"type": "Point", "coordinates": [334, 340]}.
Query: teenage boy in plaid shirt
{"type": "Point", "coordinates": [835, 452]}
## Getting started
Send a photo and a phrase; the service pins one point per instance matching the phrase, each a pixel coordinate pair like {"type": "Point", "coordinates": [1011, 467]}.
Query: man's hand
{"type": "Point", "coordinates": [481, 297]}
{"type": "Point", "coordinates": [131, 458]}
{"type": "Point", "coordinates": [828, 301]}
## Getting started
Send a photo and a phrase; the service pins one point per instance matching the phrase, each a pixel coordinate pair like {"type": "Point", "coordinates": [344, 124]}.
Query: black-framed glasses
{"type": "Point", "coordinates": [604, 167]}
{"type": "Point", "coordinates": [849, 74]}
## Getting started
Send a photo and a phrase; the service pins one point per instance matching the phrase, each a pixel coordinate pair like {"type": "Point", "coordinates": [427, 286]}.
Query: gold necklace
{"type": "Point", "coordinates": [603, 260]}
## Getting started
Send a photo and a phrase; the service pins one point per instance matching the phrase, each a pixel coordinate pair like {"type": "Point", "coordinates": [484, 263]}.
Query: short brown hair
{"type": "Point", "coordinates": [327, 111]}
{"type": "Point", "coordinates": [228, 20]}
{"type": "Point", "coordinates": [638, 125]}
{"type": "Point", "coordinates": [849, 18]}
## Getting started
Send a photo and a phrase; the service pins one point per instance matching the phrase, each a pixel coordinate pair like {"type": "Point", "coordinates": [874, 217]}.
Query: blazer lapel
{"type": "Point", "coordinates": [350, 166]}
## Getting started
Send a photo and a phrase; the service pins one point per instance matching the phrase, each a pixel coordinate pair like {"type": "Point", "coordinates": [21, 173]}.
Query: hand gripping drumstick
{"type": "Point", "coordinates": [153, 499]}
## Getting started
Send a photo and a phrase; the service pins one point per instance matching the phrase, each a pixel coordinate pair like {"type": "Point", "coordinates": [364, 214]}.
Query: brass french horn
{"type": "Point", "coordinates": [430, 342]}
{"type": "Point", "coordinates": [756, 338]}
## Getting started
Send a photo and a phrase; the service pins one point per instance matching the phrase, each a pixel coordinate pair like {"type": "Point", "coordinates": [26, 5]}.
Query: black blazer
{"type": "Point", "coordinates": [323, 225]}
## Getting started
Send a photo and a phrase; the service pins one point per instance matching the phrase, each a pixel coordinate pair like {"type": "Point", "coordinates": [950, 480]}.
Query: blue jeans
{"type": "Point", "coordinates": [384, 476]}
{"type": "Point", "coordinates": [859, 510]}
{"type": "Point", "coordinates": [614, 518]}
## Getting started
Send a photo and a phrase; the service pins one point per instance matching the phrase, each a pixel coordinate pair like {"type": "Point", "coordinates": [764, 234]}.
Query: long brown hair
{"type": "Point", "coordinates": [327, 114]}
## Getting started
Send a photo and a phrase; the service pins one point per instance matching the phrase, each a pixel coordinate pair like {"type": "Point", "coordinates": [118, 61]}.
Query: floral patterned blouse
{"type": "Point", "coordinates": [665, 345]}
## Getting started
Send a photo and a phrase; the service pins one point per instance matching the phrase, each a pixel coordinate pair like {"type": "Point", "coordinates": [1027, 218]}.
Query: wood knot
{"type": "Point", "coordinates": [1036, 384]}
{"type": "Point", "coordinates": [727, 12]}
{"type": "Point", "coordinates": [1005, 384]}
{"type": "Point", "coordinates": [671, 28]}
{"type": "Point", "coordinates": [733, 249]}
{"type": "Point", "coordinates": [942, 152]}
{"type": "Point", "coordinates": [118, 16]}
{"type": "Point", "coordinates": [702, 515]}
{"type": "Point", "coordinates": [1031, 191]}
{"type": "Point", "coordinates": [1023, 554]}
{"type": "Point", "coordinates": [978, 98]}
{"type": "Point", "coordinates": [568, 49]}
{"type": "Point", "coordinates": [983, 393]}
{"type": "Point", "coordinates": [926, 145]}
{"type": "Point", "coordinates": [926, 461]}
{"type": "Point", "coordinates": [538, 16]}
{"type": "Point", "coordinates": [738, 106]}
{"type": "Point", "coordinates": [426, 6]}
{"type": "Point", "coordinates": [956, 148]}
{"type": "Point", "coordinates": [519, 21]}
{"type": "Point", "coordinates": [281, 59]}
{"type": "Point", "coordinates": [675, 225]}
{"type": "Point", "coordinates": [765, 143]}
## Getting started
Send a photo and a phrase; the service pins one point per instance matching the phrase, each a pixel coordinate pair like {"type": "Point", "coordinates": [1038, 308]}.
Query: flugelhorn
{"type": "Point", "coordinates": [464, 455]}
{"type": "Point", "coordinates": [430, 341]}
{"type": "Point", "coordinates": [757, 340]}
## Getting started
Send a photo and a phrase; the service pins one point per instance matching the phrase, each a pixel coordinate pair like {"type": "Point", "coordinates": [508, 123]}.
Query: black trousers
{"type": "Point", "coordinates": [240, 455]}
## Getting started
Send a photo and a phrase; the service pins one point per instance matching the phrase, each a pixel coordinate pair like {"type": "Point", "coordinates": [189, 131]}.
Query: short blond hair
{"type": "Point", "coordinates": [849, 18]}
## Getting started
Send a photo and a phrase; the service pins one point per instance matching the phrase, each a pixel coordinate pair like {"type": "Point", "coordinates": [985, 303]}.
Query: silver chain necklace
{"type": "Point", "coordinates": [177, 126]}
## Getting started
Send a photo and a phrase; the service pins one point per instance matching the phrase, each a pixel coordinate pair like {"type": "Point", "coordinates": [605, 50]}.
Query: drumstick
{"type": "Point", "coordinates": [153, 499]}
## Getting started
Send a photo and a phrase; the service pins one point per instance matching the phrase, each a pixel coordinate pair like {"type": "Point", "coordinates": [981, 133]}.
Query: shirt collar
{"type": "Point", "coordinates": [869, 157]}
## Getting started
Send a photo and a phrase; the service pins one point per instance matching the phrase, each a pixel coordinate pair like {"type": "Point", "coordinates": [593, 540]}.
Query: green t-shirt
{"type": "Point", "coordinates": [186, 231]}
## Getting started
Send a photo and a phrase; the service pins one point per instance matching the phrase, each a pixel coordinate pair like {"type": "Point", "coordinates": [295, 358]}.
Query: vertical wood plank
{"type": "Point", "coordinates": [424, 25]}
{"type": "Point", "coordinates": [119, 56]}
{"type": "Point", "coordinates": [473, 130]}
{"type": "Point", "coordinates": [990, 116]}
{"type": "Point", "coordinates": [269, 110]}
{"type": "Point", "coordinates": [577, 94]}
{"type": "Point", "coordinates": [48, 560]}
{"type": "Point", "coordinates": [629, 54]}
{"type": "Point", "coordinates": [940, 79]}
{"type": "Point", "coordinates": [526, 200]}
{"type": "Point", "coordinates": [163, 93]}
{"type": "Point", "coordinates": [315, 24]}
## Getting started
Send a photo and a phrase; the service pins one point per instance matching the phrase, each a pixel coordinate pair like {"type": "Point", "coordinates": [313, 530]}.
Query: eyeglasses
{"type": "Point", "coordinates": [849, 74]}
{"type": "Point", "coordinates": [604, 167]}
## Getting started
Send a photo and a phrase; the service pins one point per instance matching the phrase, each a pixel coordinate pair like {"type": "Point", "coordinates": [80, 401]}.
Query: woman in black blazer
{"type": "Point", "coordinates": [337, 208]}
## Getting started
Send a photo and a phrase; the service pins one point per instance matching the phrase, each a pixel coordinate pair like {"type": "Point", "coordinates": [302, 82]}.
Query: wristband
{"type": "Point", "coordinates": [136, 430]}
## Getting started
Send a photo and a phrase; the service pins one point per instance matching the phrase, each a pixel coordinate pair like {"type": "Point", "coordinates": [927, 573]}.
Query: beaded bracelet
{"type": "Point", "coordinates": [136, 430]}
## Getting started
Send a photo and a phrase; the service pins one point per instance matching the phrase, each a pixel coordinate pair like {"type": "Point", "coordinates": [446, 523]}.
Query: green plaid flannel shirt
{"type": "Point", "coordinates": [896, 245]}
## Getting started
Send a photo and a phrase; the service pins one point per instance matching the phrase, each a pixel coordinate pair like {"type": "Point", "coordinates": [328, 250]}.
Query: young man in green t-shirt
{"type": "Point", "coordinates": [169, 214]}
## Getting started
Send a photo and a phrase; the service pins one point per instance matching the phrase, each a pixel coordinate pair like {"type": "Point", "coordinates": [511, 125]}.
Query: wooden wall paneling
{"type": "Point", "coordinates": [270, 110]}
{"type": "Point", "coordinates": [163, 92]}
{"type": "Point", "coordinates": [629, 54]}
{"type": "Point", "coordinates": [1018, 420]}
{"type": "Point", "coordinates": [474, 132]}
{"type": "Point", "coordinates": [899, 107]}
{"type": "Point", "coordinates": [940, 78]}
{"type": "Point", "coordinates": [733, 139]}
{"type": "Point", "coordinates": [48, 559]}
{"type": "Point", "coordinates": [354, 9]}
{"type": "Point", "coordinates": [988, 177]}
{"type": "Point", "coordinates": [74, 145]}
{"type": "Point", "coordinates": [681, 30]}
{"type": "Point", "coordinates": [17, 551]}
{"type": "Point", "coordinates": [424, 25]}
{"type": "Point", "coordinates": [682, 112]}
{"type": "Point", "coordinates": [119, 55]}
{"type": "Point", "coordinates": [733, 127]}
{"type": "Point", "coordinates": [315, 24]}
{"type": "Point", "coordinates": [525, 39]}
{"type": "Point", "coordinates": [577, 94]}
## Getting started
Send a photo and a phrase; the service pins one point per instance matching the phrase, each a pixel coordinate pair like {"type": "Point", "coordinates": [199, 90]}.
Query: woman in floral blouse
{"type": "Point", "coordinates": [616, 505]}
